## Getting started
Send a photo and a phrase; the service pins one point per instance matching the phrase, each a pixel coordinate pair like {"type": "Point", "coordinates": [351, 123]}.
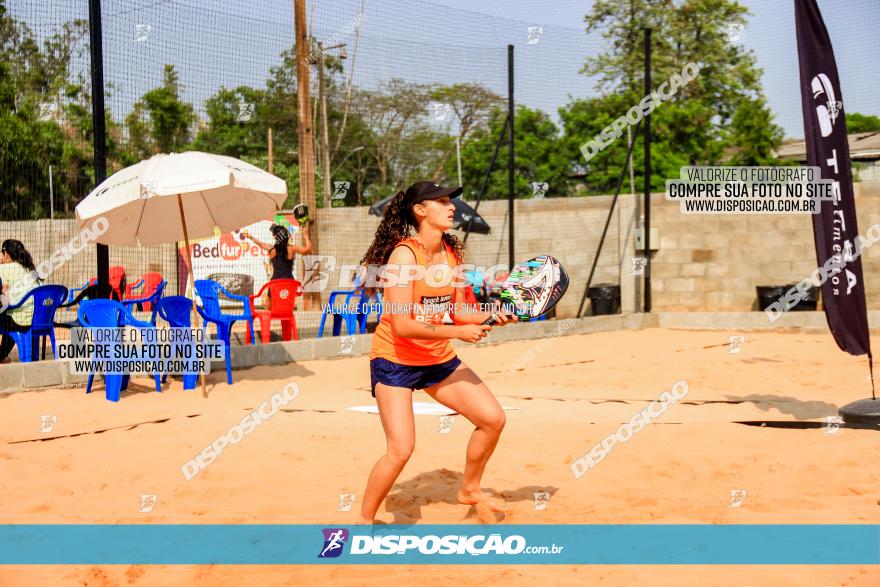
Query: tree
{"type": "Point", "coordinates": [719, 116]}
{"type": "Point", "coordinates": [236, 123]}
{"type": "Point", "coordinates": [471, 106]}
{"type": "Point", "coordinates": [37, 98]}
{"type": "Point", "coordinates": [856, 122]}
{"type": "Point", "coordinates": [160, 122]}
{"type": "Point", "coordinates": [538, 156]}
{"type": "Point", "coordinates": [400, 140]}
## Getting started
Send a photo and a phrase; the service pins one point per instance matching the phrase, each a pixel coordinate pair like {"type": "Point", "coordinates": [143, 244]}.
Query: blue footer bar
{"type": "Point", "coordinates": [175, 544]}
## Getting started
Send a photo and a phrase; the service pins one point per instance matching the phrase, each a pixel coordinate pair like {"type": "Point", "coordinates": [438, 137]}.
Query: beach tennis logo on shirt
{"type": "Point", "coordinates": [334, 541]}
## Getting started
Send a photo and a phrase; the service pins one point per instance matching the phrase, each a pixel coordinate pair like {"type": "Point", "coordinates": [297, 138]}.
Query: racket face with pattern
{"type": "Point", "coordinates": [533, 288]}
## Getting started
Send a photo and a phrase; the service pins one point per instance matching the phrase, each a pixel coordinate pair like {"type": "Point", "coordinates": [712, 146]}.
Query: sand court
{"type": "Point", "coordinates": [691, 464]}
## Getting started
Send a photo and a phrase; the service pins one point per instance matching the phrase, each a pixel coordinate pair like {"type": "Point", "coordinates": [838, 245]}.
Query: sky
{"type": "Point", "coordinates": [233, 42]}
{"type": "Point", "coordinates": [853, 25]}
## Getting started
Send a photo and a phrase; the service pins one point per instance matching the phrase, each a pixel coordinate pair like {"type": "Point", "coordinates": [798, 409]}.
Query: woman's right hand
{"type": "Point", "coordinates": [473, 332]}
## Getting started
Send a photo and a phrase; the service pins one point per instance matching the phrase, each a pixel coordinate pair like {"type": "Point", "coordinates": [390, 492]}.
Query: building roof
{"type": "Point", "coordinates": [862, 145]}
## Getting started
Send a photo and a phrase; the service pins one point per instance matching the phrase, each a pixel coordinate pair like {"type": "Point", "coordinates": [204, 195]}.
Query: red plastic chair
{"type": "Point", "coordinates": [118, 286]}
{"type": "Point", "coordinates": [150, 282]}
{"type": "Point", "coordinates": [117, 282]}
{"type": "Point", "coordinates": [282, 302]}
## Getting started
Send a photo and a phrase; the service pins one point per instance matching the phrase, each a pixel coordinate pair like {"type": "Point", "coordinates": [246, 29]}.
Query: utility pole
{"type": "Point", "coordinates": [305, 133]}
{"type": "Point", "coordinates": [270, 150]}
{"type": "Point", "coordinates": [325, 137]}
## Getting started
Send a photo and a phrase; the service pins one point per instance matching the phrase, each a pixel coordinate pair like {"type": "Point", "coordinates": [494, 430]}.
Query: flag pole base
{"type": "Point", "coordinates": [863, 411]}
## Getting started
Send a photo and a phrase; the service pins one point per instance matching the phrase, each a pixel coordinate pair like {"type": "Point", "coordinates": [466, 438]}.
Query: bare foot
{"type": "Point", "coordinates": [482, 501]}
{"type": "Point", "coordinates": [362, 520]}
{"type": "Point", "coordinates": [5, 361]}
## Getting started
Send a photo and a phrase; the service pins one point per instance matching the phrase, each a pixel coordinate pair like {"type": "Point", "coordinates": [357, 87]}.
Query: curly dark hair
{"type": "Point", "coordinates": [397, 224]}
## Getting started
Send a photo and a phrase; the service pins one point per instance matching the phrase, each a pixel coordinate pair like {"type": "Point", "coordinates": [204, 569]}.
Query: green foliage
{"type": "Point", "coordinates": [539, 157]}
{"type": "Point", "coordinates": [382, 139]}
{"type": "Point", "coordinates": [720, 117]}
{"type": "Point", "coordinates": [35, 100]}
{"type": "Point", "coordinates": [856, 122]}
{"type": "Point", "coordinates": [160, 121]}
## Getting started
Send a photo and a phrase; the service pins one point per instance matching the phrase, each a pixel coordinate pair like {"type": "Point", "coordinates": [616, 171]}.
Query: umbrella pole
{"type": "Point", "coordinates": [192, 279]}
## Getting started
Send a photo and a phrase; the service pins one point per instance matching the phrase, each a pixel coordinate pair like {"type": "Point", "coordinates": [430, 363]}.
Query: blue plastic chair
{"type": "Point", "coordinates": [46, 299]}
{"type": "Point", "coordinates": [71, 294]}
{"type": "Point", "coordinates": [177, 311]}
{"type": "Point", "coordinates": [477, 281]}
{"type": "Point", "coordinates": [343, 313]}
{"type": "Point", "coordinates": [209, 291]}
{"type": "Point", "coordinates": [91, 292]}
{"type": "Point", "coordinates": [110, 314]}
{"type": "Point", "coordinates": [365, 308]}
{"type": "Point", "coordinates": [354, 316]}
{"type": "Point", "coordinates": [152, 299]}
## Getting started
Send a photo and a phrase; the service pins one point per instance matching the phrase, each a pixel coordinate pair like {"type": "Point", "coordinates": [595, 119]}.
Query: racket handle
{"type": "Point", "coordinates": [490, 320]}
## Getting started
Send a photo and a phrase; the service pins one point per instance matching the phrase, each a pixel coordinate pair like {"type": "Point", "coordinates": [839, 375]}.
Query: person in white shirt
{"type": "Point", "coordinates": [17, 277]}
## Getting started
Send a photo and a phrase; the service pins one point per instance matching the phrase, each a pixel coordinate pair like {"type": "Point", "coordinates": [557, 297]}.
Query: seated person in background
{"type": "Point", "coordinates": [17, 277]}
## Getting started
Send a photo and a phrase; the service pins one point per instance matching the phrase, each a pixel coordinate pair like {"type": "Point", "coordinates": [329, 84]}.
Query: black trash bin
{"type": "Point", "coordinates": [604, 299]}
{"type": "Point", "coordinates": [767, 294]}
{"type": "Point", "coordinates": [808, 303]}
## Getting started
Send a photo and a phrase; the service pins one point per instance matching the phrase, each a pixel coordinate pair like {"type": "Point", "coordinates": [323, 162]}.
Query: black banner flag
{"type": "Point", "coordinates": [834, 228]}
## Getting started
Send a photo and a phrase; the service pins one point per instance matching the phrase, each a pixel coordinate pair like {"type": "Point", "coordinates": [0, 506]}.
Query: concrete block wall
{"type": "Point", "coordinates": [567, 228]}
{"type": "Point", "coordinates": [704, 262]}
{"type": "Point", "coordinates": [714, 262]}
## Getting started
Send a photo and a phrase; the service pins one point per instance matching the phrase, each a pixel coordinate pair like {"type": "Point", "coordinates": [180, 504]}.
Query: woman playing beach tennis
{"type": "Point", "coordinates": [282, 252]}
{"type": "Point", "coordinates": [411, 346]}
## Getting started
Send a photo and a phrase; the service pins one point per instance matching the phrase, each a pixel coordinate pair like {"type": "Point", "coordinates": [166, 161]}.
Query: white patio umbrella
{"type": "Point", "coordinates": [172, 197]}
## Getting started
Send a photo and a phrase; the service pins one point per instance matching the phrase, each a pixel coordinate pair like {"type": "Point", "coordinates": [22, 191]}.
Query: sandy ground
{"type": "Point", "coordinates": [577, 389]}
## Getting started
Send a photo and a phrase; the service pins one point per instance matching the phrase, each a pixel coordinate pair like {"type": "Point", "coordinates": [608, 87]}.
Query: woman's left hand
{"type": "Point", "coordinates": [502, 317]}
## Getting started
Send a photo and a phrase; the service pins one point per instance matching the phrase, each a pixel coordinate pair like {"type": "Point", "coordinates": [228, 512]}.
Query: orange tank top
{"type": "Point", "coordinates": [427, 306]}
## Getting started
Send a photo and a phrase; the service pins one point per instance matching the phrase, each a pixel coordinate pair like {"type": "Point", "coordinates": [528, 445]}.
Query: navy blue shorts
{"type": "Point", "coordinates": [409, 376]}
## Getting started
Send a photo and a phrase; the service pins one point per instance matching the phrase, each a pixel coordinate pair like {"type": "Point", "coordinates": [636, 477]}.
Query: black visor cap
{"type": "Point", "coordinates": [426, 190]}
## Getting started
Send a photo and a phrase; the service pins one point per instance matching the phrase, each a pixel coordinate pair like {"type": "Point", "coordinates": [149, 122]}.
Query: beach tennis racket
{"type": "Point", "coordinates": [301, 213]}
{"type": "Point", "coordinates": [533, 288]}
